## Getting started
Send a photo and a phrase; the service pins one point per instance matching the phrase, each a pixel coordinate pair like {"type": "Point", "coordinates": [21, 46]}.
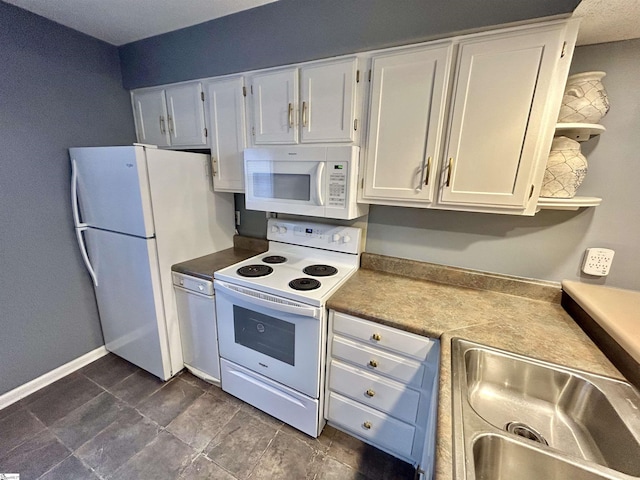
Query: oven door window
{"type": "Point", "coordinates": [265, 334]}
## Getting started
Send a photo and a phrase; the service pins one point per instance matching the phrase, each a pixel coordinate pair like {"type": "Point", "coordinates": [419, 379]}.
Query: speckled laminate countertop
{"type": "Point", "coordinates": [535, 328]}
{"type": "Point", "coordinates": [203, 267]}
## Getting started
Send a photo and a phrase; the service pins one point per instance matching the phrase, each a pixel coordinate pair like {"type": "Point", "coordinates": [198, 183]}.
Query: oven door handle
{"type": "Point", "coordinates": [246, 295]}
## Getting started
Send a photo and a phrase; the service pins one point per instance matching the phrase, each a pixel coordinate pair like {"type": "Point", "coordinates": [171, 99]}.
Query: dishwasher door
{"type": "Point", "coordinates": [198, 331]}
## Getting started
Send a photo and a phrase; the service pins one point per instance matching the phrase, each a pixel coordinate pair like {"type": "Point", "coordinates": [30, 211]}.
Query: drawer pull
{"type": "Point", "coordinates": [370, 393]}
{"type": "Point", "coordinates": [373, 363]}
{"type": "Point", "coordinates": [376, 337]}
{"type": "Point", "coordinates": [367, 425]}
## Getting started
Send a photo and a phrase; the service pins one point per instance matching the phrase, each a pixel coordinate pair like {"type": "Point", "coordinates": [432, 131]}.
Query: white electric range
{"type": "Point", "coordinates": [272, 318]}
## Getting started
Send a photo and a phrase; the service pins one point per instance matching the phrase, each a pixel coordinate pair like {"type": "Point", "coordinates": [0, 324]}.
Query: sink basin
{"type": "Point", "coordinates": [512, 411]}
{"type": "Point", "coordinates": [498, 458]}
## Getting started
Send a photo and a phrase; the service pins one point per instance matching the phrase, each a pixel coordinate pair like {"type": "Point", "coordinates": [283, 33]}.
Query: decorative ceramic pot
{"type": "Point", "coordinates": [566, 169]}
{"type": "Point", "coordinates": [585, 99]}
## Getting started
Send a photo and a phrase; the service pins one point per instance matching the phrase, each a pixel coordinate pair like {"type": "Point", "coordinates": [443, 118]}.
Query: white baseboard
{"type": "Point", "coordinates": [42, 381]}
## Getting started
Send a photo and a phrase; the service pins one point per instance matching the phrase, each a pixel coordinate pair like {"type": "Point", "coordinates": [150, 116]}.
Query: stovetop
{"type": "Point", "coordinates": [291, 272]}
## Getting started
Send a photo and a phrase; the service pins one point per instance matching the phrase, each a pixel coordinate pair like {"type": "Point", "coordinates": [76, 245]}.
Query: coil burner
{"type": "Point", "coordinates": [254, 271]}
{"type": "Point", "coordinates": [320, 270]}
{"type": "Point", "coordinates": [274, 259]}
{"type": "Point", "coordinates": [304, 284]}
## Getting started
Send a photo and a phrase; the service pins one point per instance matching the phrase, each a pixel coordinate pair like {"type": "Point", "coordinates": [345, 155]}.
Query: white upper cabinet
{"type": "Point", "coordinates": [170, 116]}
{"type": "Point", "coordinates": [228, 132]}
{"type": "Point", "coordinates": [483, 146]}
{"type": "Point", "coordinates": [328, 96]}
{"type": "Point", "coordinates": [316, 103]}
{"type": "Point", "coordinates": [275, 103]}
{"type": "Point", "coordinates": [185, 105]}
{"type": "Point", "coordinates": [500, 111]}
{"type": "Point", "coordinates": [150, 112]}
{"type": "Point", "coordinates": [406, 118]}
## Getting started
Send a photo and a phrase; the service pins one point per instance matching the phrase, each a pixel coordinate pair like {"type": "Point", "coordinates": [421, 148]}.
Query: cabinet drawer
{"type": "Point", "coordinates": [382, 430]}
{"type": "Point", "coordinates": [379, 335]}
{"type": "Point", "coordinates": [391, 397]}
{"type": "Point", "coordinates": [375, 360]}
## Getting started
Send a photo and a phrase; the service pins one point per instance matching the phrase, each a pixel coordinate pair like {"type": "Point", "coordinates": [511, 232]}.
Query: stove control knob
{"type": "Point", "coordinates": [201, 287]}
{"type": "Point", "coordinates": [346, 239]}
{"type": "Point", "coordinates": [335, 237]}
{"type": "Point", "coordinates": [283, 230]}
{"type": "Point", "coordinates": [274, 229]}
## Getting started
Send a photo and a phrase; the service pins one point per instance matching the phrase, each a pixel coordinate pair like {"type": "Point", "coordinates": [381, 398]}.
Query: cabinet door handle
{"type": "Point", "coordinates": [376, 337]}
{"type": "Point", "coordinates": [291, 115]}
{"type": "Point", "coordinates": [304, 114]}
{"type": "Point", "coordinates": [367, 425]}
{"type": "Point", "coordinates": [370, 393]}
{"type": "Point", "coordinates": [171, 125]}
{"type": "Point", "coordinates": [214, 164]}
{"type": "Point", "coordinates": [373, 363]}
{"type": "Point", "coordinates": [426, 178]}
{"type": "Point", "coordinates": [450, 168]}
{"type": "Point", "coordinates": [162, 129]}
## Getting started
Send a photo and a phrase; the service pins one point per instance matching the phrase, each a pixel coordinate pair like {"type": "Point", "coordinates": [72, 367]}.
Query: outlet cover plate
{"type": "Point", "coordinates": [597, 261]}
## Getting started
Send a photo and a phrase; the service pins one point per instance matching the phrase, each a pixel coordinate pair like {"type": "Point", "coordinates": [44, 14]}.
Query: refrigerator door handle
{"type": "Point", "coordinates": [85, 255]}
{"type": "Point", "coordinates": [74, 197]}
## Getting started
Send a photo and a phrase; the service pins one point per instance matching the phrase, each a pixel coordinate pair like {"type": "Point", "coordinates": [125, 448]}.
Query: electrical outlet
{"type": "Point", "coordinates": [597, 261]}
{"type": "Point", "coordinates": [237, 217]}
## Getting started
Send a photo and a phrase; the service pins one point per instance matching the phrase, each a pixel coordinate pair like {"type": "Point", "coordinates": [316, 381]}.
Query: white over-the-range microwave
{"type": "Point", "coordinates": [317, 181]}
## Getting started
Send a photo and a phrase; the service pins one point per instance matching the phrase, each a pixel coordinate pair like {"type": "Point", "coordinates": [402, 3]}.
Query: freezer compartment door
{"type": "Point", "coordinates": [113, 189]}
{"type": "Point", "coordinates": [130, 299]}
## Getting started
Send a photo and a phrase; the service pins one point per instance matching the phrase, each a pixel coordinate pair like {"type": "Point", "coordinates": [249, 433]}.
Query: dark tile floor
{"type": "Point", "coordinates": [111, 420]}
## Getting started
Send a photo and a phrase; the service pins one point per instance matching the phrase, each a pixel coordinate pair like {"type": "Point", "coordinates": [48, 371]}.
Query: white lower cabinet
{"type": "Point", "coordinates": [382, 387]}
{"type": "Point", "coordinates": [377, 427]}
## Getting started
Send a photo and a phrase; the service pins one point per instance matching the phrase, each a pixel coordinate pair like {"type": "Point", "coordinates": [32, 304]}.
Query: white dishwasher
{"type": "Point", "coordinates": [196, 306]}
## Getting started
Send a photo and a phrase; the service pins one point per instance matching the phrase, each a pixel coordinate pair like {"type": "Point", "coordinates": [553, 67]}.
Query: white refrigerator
{"type": "Point", "coordinates": [138, 210]}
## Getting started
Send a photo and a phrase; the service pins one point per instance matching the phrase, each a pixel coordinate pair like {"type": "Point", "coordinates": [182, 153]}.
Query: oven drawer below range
{"type": "Point", "coordinates": [375, 426]}
{"type": "Point", "coordinates": [284, 403]}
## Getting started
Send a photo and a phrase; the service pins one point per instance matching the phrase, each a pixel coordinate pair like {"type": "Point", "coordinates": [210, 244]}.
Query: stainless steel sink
{"type": "Point", "coordinates": [512, 414]}
{"type": "Point", "coordinates": [496, 457]}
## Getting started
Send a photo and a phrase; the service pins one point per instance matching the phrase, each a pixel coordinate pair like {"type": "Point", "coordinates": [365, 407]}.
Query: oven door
{"type": "Point", "coordinates": [286, 186]}
{"type": "Point", "coordinates": [274, 337]}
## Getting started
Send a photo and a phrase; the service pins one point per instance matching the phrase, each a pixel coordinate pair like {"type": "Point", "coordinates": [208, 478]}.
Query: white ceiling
{"type": "Point", "coordinates": [123, 21]}
{"type": "Point", "coordinates": [608, 20]}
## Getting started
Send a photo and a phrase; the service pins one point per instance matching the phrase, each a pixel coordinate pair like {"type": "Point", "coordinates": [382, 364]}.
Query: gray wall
{"type": "Point", "coordinates": [290, 31]}
{"type": "Point", "coordinates": [58, 88]}
{"type": "Point", "coordinates": [550, 245]}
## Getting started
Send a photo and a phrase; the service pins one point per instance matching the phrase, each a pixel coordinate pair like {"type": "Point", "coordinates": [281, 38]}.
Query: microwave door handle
{"type": "Point", "coordinates": [74, 196]}
{"type": "Point", "coordinates": [319, 177]}
{"type": "Point", "coordinates": [303, 310]}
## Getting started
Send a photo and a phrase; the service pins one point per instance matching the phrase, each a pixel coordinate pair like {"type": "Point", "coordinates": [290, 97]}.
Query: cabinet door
{"type": "Point", "coordinates": [227, 122]}
{"type": "Point", "coordinates": [405, 124]}
{"type": "Point", "coordinates": [328, 96]}
{"type": "Point", "coordinates": [275, 103]}
{"type": "Point", "coordinates": [186, 115]}
{"type": "Point", "coordinates": [151, 117]}
{"type": "Point", "coordinates": [498, 112]}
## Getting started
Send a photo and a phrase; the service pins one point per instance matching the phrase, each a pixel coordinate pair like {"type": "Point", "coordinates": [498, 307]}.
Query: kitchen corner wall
{"type": "Point", "coordinates": [551, 245]}
{"type": "Point", "coordinates": [58, 89]}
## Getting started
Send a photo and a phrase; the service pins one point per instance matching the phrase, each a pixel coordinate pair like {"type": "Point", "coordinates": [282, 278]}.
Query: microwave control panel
{"type": "Point", "coordinates": [337, 175]}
